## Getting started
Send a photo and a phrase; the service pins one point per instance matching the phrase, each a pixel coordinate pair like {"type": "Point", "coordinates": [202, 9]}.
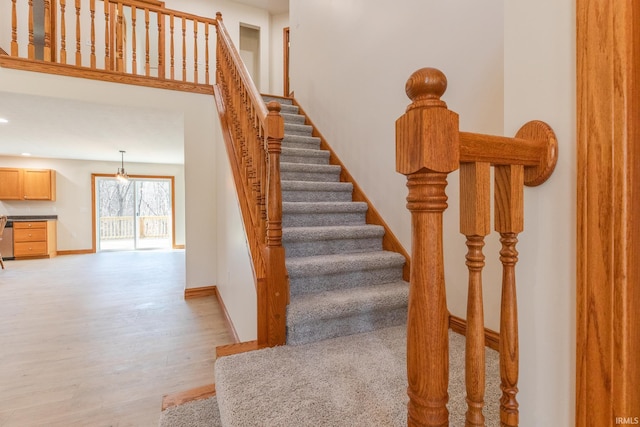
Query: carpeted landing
{"type": "Point", "coordinates": [357, 380]}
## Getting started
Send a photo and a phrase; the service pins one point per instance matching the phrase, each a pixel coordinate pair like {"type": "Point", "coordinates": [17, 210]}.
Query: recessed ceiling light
{"type": "Point", "coordinates": [26, 154]}
{"type": "Point", "coordinates": [3, 120]}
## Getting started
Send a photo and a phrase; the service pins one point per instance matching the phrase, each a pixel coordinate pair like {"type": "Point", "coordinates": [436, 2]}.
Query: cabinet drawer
{"type": "Point", "coordinates": [28, 225]}
{"type": "Point", "coordinates": [30, 235]}
{"type": "Point", "coordinates": [29, 249]}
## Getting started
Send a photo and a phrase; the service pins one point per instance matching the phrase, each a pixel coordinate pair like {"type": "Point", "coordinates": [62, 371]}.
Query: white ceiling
{"type": "Point", "coordinates": [56, 128]}
{"type": "Point", "coordinates": [275, 7]}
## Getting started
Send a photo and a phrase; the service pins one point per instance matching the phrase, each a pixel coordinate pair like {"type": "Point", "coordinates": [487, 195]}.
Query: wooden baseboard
{"type": "Point", "coordinates": [198, 393]}
{"type": "Point", "coordinates": [491, 338]}
{"type": "Point", "coordinates": [205, 291]}
{"type": "Point", "coordinates": [178, 246]}
{"type": "Point", "coordinates": [237, 348]}
{"type": "Point", "coordinates": [77, 252]}
{"type": "Point", "coordinates": [230, 327]}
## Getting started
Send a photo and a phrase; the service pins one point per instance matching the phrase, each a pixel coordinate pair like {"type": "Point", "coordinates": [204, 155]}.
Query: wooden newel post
{"type": "Point", "coordinates": [427, 149]}
{"type": "Point", "coordinates": [277, 282]}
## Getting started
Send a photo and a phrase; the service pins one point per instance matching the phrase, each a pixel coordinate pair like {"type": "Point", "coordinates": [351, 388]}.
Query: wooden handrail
{"type": "Point", "coordinates": [75, 23]}
{"type": "Point", "coordinates": [255, 136]}
{"type": "Point", "coordinates": [429, 146]}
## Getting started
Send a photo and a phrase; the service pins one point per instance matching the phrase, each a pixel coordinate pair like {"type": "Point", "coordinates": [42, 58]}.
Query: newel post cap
{"type": "Point", "coordinates": [427, 135]}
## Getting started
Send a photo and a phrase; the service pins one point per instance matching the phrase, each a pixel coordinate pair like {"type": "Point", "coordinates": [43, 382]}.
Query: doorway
{"type": "Point", "coordinates": [133, 215]}
{"type": "Point", "coordinates": [250, 51]}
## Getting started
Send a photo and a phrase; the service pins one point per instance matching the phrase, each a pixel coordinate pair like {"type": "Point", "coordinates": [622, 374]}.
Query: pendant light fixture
{"type": "Point", "coordinates": [121, 175]}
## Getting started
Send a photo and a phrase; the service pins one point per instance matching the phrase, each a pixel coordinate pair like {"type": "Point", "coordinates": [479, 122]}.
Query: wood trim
{"type": "Point", "coordinates": [608, 194]}
{"type": "Point", "coordinates": [389, 242]}
{"type": "Point", "coordinates": [3, 52]}
{"type": "Point", "coordinates": [198, 393]}
{"type": "Point", "coordinates": [237, 348]}
{"type": "Point", "coordinates": [77, 252]}
{"type": "Point", "coordinates": [204, 291]}
{"type": "Point", "coordinates": [102, 75]}
{"type": "Point", "coordinates": [285, 55]}
{"type": "Point", "coordinates": [459, 325]}
{"type": "Point", "coordinates": [230, 327]}
{"type": "Point", "coordinates": [178, 246]}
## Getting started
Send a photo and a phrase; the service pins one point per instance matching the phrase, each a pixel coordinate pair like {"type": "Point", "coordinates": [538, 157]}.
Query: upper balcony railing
{"type": "Point", "coordinates": [139, 40]}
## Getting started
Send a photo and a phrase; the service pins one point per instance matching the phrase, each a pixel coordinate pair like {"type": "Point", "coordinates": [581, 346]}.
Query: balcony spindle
{"type": "Point", "coordinates": [147, 67]}
{"type": "Point", "coordinates": [78, 35]}
{"type": "Point", "coordinates": [195, 51]}
{"type": "Point", "coordinates": [47, 31]}
{"type": "Point", "coordinates": [31, 47]}
{"type": "Point", "coordinates": [134, 41]}
{"type": "Point", "coordinates": [475, 224]}
{"type": "Point", "coordinates": [172, 47]}
{"type": "Point", "coordinates": [184, 50]}
{"type": "Point", "coordinates": [92, 12]}
{"type": "Point", "coordinates": [107, 37]}
{"type": "Point", "coordinates": [206, 52]}
{"type": "Point", "coordinates": [63, 32]}
{"type": "Point", "coordinates": [161, 46]}
{"type": "Point", "coordinates": [427, 149]}
{"type": "Point", "coordinates": [120, 39]}
{"type": "Point", "coordinates": [14, 29]}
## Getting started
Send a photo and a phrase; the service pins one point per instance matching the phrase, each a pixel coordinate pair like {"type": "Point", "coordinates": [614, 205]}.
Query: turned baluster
{"type": "Point", "coordinates": [184, 49]}
{"type": "Point", "coordinates": [47, 31]}
{"type": "Point", "coordinates": [147, 66]}
{"type": "Point", "coordinates": [120, 38]}
{"type": "Point", "coordinates": [78, 35]}
{"type": "Point", "coordinates": [427, 149]}
{"type": "Point", "coordinates": [172, 47]}
{"type": "Point", "coordinates": [206, 53]}
{"type": "Point", "coordinates": [63, 32]}
{"type": "Point", "coordinates": [14, 29]}
{"type": "Point", "coordinates": [134, 41]}
{"type": "Point", "coordinates": [161, 71]}
{"type": "Point", "coordinates": [31, 47]}
{"type": "Point", "coordinates": [475, 224]}
{"type": "Point", "coordinates": [92, 12]}
{"type": "Point", "coordinates": [195, 51]}
{"type": "Point", "coordinates": [107, 38]}
{"type": "Point", "coordinates": [509, 184]}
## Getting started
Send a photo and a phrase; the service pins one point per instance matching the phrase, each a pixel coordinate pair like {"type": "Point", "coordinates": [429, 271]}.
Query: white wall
{"type": "Point", "coordinates": [351, 81]}
{"type": "Point", "coordinates": [199, 149]}
{"type": "Point", "coordinates": [278, 23]}
{"type": "Point", "coordinates": [73, 196]}
{"type": "Point", "coordinates": [236, 283]}
{"type": "Point", "coordinates": [540, 57]}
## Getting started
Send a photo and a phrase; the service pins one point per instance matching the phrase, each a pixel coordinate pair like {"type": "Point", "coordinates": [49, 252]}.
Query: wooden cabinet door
{"type": "Point", "coordinates": [10, 184]}
{"type": "Point", "coordinates": [39, 184]}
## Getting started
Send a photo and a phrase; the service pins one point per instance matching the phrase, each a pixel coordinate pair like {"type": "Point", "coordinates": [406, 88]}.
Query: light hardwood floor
{"type": "Point", "coordinates": [97, 340]}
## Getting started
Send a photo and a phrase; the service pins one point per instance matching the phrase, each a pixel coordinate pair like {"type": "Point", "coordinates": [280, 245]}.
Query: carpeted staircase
{"type": "Point", "coordinates": [345, 359]}
{"type": "Point", "coordinates": [341, 281]}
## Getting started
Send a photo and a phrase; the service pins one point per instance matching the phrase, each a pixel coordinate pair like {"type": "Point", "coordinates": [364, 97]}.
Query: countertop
{"type": "Point", "coordinates": [16, 218]}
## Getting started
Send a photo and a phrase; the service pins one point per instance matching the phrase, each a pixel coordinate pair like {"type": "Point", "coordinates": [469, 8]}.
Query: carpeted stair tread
{"type": "Point", "coordinates": [308, 172]}
{"type": "Point", "coordinates": [303, 155]}
{"type": "Point", "coordinates": [324, 207]}
{"type": "Point", "coordinates": [311, 191]}
{"type": "Point", "coordinates": [293, 118]}
{"type": "Point", "coordinates": [312, 241]}
{"type": "Point", "coordinates": [301, 141]}
{"type": "Point", "coordinates": [348, 302]}
{"type": "Point", "coordinates": [342, 263]}
{"type": "Point", "coordinates": [297, 129]}
{"type": "Point", "coordinates": [269, 98]}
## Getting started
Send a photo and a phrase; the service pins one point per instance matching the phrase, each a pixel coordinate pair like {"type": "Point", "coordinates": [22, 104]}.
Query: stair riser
{"type": "Point", "coordinates": [346, 280]}
{"type": "Point", "coordinates": [300, 130]}
{"type": "Point", "coordinates": [309, 160]}
{"type": "Point", "coordinates": [310, 176]}
{"type": "Point", "coordinates": [294, 219]}
{"type": "Point", "coordinates": [331, 247]}
{"type": "Point", "coordinates": [293, 118]}
{"type": "Point", "coordinates": [310, 145]}
{"type": "Point", "coordinates": [316, 196]}
{"type": "Point", "coordinates": [309, 332]}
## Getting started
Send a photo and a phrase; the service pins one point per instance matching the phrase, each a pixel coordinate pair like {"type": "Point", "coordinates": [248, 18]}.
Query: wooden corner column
{"type": "Point", "coordinates": [427, 149]}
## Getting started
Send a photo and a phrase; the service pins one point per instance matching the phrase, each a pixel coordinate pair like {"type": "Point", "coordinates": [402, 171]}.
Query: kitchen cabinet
{"type": "Point", "coordinates": [27, 184]}
{"type": "Point", "coordinates": [34, 239]}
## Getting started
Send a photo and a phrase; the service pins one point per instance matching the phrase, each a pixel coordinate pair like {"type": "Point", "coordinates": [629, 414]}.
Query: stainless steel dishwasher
{"type": "Point", "coordinates": [6, 244]}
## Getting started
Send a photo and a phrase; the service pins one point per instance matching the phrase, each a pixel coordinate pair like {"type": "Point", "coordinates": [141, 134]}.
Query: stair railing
{"type": "Point", "coordinates": [429, 146]}
{"type": "Point", "coordinates": [256, 137]}
{"type": "Point", "coordinates": [133, 37]}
